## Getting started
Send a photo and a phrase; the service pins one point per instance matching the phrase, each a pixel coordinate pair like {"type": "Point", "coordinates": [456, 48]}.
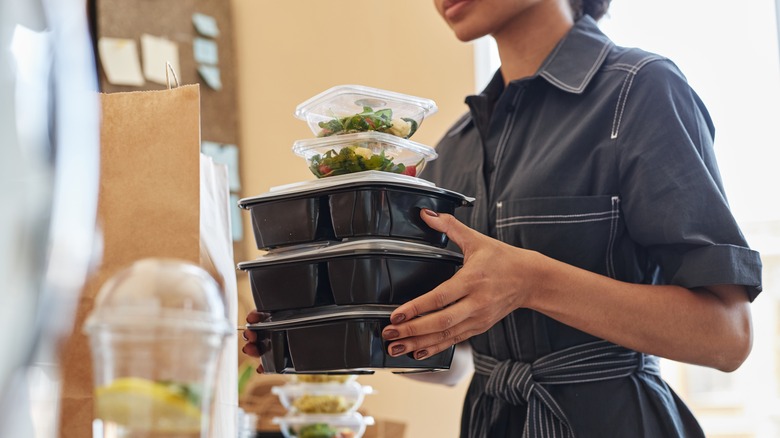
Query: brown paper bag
{"type": "Point", "coordinates": [148, 206]}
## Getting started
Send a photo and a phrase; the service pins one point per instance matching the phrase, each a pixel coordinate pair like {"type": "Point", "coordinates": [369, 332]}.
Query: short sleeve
{"type": "Point", "coordinates": [672, 196]}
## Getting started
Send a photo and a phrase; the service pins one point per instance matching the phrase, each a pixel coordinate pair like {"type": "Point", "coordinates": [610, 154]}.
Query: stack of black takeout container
{"type": "Point", "coordinates": [347, 248]}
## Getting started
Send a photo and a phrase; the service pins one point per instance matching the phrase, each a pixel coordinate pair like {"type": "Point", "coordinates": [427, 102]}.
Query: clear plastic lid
{"type": "Point", "coordinates": [332, 426]}
{"type": "Point", "coordinates": [322, 398]}
{"type": "Point", "coordinates": [286, 319]}
{"type": "Point", "coordinates": [365, 179]}
{"type": "Point", "coordinates": [369, 176]}
{"type": "Point", "coordinates": [160, 293]}
{"type": "Point", "coordinates": [330, 250]}
{"type": "Point", "coordinates": [363, 151]}
{"type": "Point", "coordinates": [334, 111]}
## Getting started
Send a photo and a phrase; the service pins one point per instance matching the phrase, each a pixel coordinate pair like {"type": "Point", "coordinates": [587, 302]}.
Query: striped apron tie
{"type": "Point", "coordinates": [515, 383]}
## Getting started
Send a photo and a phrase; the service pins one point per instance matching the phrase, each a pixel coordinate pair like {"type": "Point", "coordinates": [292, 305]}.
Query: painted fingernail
{"type": "Point", "coordinates": [421, 354]}
{"type": "Point", "coordinates": [397, 349]}
{"type": "Point", "coordinates": [430, 212]}
{"type": "Point", "coordinates": [390, 334]}
{"type": "Point", "coordinates": [398, 318]}
{"type": "Point", "coordinates": [243, 335]}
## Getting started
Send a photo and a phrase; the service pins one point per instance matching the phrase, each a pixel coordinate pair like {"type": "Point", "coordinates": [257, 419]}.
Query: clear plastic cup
{"type": "Point", "coordinates": [156, 333]}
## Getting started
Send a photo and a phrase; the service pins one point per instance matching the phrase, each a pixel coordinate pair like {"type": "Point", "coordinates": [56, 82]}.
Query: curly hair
{"type": "Point", "coordinates": [595, 8]}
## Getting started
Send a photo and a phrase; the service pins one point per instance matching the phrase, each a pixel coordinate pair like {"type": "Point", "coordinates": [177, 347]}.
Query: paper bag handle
{"type": "Point", "coordinates": [169, 67]}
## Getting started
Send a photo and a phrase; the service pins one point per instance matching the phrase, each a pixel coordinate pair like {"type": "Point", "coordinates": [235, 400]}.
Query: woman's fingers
{"type": "Point", "coordinates": [442, 328]}
{"type": "Point", "coordinates": [442, 296]}
{"type": "Point", "coordinates": [425, 346]}
{"type": "Point", "coordinates": [447, 293]}
{"type": "Point", "coordinates": [455, 230]}
{"type": "Point", "coordinates": [256, 316]}
{"type": "Point", "coordinates": [255, 347]}
{"type": "Point", "coordinates": [250, 349]}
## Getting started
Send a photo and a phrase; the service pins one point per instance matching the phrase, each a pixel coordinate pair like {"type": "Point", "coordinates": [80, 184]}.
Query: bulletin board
{"type": "Point", "coordinates": [177, 24]}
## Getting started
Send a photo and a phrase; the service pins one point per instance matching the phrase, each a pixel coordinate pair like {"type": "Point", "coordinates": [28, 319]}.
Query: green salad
{"type": "Point", "coordinates": [322, 430]}
{"type": "Point", "coordinates": [369, 120]}
{"type": "Point", "coordinates": [355, 158]}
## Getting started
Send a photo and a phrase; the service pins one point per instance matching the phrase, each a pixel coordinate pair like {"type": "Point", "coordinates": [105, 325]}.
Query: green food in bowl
{"type": "Point", "coordinates": [369, 120]}
{"type": "Point", "coordinates": [355, 158]}
{"type": "Point", "coordinates": [322, 430]}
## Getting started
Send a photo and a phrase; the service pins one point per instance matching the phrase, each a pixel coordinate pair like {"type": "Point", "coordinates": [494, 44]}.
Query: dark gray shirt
{"type": "Point", "coordinates": [604, 160]}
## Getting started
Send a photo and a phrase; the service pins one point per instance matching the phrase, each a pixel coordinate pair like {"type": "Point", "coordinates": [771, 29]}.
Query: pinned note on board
{"type": "Point", "coordinates": [119, 58]}
{"type": "Point", "coordinates": [205, 51]}
{"type": "Point", "coordinates": [211, 75]}
{"type": "Point", "coordinates": [157, 52]}
{"type": "Point", "coordinates": [206, 25]}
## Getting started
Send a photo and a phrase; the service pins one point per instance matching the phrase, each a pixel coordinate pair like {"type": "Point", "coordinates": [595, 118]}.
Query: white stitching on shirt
{"type": "Point", "coordinates": [623, 97]}
{"type": "Point", "coordinates": [551, 216]}
{"type": "Point", "coordinates": [621, 105]}
{"type": "Point", "coordinates": [612, 236]}
{"type": "Point", "coordinates": [579, 221]}
{"type": "Point", "coordinates": [588, 76]}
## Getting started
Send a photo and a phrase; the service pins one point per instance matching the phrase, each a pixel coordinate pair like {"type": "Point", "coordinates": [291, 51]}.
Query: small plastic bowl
{"type": "Point", "coordinates": [345, 109]}
{"type": "Point", "coordinates": [362, 151]}
{"type": "Point", "coordinates": [322, 398]}
{"type": "Point", "coordinates": [331, 426]}
{"type": "Point", "coordinates": [323, 379]}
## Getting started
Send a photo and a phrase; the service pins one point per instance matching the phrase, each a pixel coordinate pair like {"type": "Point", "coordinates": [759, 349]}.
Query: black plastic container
{"type": "Point", "coordinates": [290, 221]}
{"type": "Point", "coordinates": [336, 339]}
{"type": "Point", "coordinates": [364, 204]}
{"type": "Point", "coordinates": [367, 271]}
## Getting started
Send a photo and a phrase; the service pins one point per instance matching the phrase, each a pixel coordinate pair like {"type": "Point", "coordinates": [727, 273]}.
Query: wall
{"type": "Point", "coordinates": [288, 51]}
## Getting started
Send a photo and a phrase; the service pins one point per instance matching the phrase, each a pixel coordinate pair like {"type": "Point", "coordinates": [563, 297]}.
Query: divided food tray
{"type": "Point", "coordinates": [368, 271]}
{"type": "Point", "coordinates": [366, 204]}
{"type": "Point", "coordinates": [336, 339]}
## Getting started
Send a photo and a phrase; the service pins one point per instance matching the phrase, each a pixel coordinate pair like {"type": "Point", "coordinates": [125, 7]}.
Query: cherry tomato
{"type": "Point", "coordinates": [410, 170]}
{"type": "Point", "coordinates": [324, 169]}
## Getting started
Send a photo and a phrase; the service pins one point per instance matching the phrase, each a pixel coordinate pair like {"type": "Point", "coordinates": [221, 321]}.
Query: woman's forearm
{"type": "Point", "coordinates": [705, 326]}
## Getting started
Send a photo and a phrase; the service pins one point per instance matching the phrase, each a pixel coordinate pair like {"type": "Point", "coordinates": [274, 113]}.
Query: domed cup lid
{"type": "Point", "coordinates": [153, 294]}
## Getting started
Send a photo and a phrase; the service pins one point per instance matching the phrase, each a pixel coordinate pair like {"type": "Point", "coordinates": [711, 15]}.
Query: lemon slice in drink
{"type": "Point", "coordinates": [146, 405]}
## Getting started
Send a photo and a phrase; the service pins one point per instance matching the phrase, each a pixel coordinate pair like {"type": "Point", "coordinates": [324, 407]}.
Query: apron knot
{"type": "Point", "coordinates": [511, 382]}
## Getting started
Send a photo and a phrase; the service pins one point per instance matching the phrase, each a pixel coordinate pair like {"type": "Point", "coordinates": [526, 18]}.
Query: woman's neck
{"type": "Point", "coordinates": [525, 43]}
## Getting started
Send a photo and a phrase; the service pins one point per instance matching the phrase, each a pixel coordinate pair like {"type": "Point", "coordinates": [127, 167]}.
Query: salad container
{"type": "Point", "coordinates": [362, 151]}
{"type": "Point", "coordinates": [323, 379]}
{"type": "Point", "coordinates": [346, 109]}
{"type": "Point", "coordinates": [323, 426]}
{"type": "Point", "coordinates": [366, 271]}
{"type": "Point", "coordinates": [322, 398]}
{"type": "Point", "coordinates": [336, 339]}
{"type": "Point", "coordinates": [365, 204]}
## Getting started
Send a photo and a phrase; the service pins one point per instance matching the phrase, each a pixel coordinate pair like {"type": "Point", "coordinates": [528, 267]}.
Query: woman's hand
{"type": "Point", "coordinates": [490, 285]}
{"type": "Point", "coordinates": [253, 347]}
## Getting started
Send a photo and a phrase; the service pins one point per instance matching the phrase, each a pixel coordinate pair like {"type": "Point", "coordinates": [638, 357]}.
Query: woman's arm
{"type": "Point", "coordinates": [705, 326]}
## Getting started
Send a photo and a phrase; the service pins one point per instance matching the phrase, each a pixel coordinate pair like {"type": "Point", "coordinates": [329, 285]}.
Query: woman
{"type": "Point", "coordinates": [601, 230]}
{"type": "Point", "coordinates": [601, 237]}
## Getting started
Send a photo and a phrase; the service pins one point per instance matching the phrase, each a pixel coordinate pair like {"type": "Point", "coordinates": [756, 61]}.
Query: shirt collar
{"type": "Point", "coordinates": [570, 66]}
{"type": "Point", "coordinates": [577, 57]}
